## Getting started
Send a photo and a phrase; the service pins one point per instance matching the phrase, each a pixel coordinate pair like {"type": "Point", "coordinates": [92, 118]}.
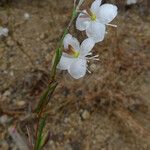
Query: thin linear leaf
{"type": "Point", "coordinates": [45, 140]}
{"type": "Point", "coordinates": [42, 124]}
{"type": "Point", "coordinates": [46, 96]}
{"type": "Point", "coordinates": [56, 61]}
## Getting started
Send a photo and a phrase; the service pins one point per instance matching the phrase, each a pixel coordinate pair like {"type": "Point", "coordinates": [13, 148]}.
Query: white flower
{"type": "Point", "coordinates": [3, 32]}
{"type": "Point", "coordinates": [94, 21]}
{"type": "Point", "coordinates": [74, 58]}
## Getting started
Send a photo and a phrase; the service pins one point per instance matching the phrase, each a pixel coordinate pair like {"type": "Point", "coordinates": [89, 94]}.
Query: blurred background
{"type": "Point", "coordinates": [108, 109]}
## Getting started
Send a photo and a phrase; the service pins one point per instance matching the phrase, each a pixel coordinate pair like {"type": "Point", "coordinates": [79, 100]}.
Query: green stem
{"type": "Point", "coordinates": [46, 96]}
{"type": "Point", "coordinates": [42, 123]}
{"type": "Point", "coordinates": [52, 86]}
{"type": "Point", "coordinates": [58, 52]}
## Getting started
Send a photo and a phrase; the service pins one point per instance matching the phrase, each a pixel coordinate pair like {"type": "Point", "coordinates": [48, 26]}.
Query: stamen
{"type": "Point", "coordinates": [88, 70]}
{"type": "Point", "coordinates": [90, 53]}
{"type": "Point", "coordinates": [97, 59]}
{"type": "Point", "coordinates": [112, 25]}
{"type": "Point", "coordinates": [93, 58]}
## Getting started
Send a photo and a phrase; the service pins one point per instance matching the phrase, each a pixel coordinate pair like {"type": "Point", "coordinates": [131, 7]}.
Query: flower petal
{"type": "Point", "coordinates": [96, 31]}
{"type": "Point", "coordinates": [78, 68]}
{"type": "Point", "coordinates": [107, 13]}
{"type": "Point", "coordinates": [86, 46]}
{"type": "Point", "coordinates": [82, 21]}
{"type": "Point", "coordinates": [65, 62]}
{"type": "Point", "coordinates": [69, 40]}
{"type": "Point", "coordinates": [95, 6]}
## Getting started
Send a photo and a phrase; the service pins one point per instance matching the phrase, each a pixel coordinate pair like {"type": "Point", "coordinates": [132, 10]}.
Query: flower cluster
{"type": "Point", "coordinates": [93, 21]}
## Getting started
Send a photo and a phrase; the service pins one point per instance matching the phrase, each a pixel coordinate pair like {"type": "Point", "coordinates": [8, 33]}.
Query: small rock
{"type": "Point", "coordinates": [38, 39]}
{"type": "Point", "coordinates": [3, 31]}
{"type": "Point", "coordinates": [5, 72]}
{"type": "Point", "coordinates": [42, 36]}
{"type": "Point", "coordinates": [6, 93]}
{"type": "Point", "coordinates": [94, 142]}
{"type": "Point", "coordinates": [48, 57]}
{"type": "Point", "coordinates": [4, 119]}
{"type": "Point", "coordinates": [52, 144]}
{"type": "Point", "coordinates": [10, 42]}
{"type": "Point", "coordinates": [44, 47]}
{"type": "Point", "coordinates": [20, 103]}
{"type": "Point", "coordinates": [26, 16]}
{"type": "Point", "coordinates": [11, 73]}
{"type": "Point", "coordinates": [130, 2]}
{"type": "Point", "coordinates": [85, 114]}
{"type": "Point", "coordinates": [66, 120]}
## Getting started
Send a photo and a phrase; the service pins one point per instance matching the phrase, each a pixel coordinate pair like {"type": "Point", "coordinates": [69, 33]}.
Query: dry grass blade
{"type": "Point", "coordinates": [131, 124]}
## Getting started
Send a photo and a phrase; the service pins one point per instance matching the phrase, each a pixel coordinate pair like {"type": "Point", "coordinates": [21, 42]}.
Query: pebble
{"type": "Point", "coordinates": [4, 119]}
{"type": "Point", "coordinates": [48, 57]}
{"type": "Point", "coordinates": [85, 114]}
{"type": "Point", "coordinates": [6, 93]}
{"type": "Point", "coordinates": [26, 16]}
{"type": "Point", "coordinates": [11, 73]}
{"type": "Point", "coordinates": [10, 42]}
{"type": "Point", "coordinates": [130, 2]}
{"type": "Point", "coordinates": [44, 47]}
{"type": "Point", "coordinates": [52, 144]}
{"type": "Point", "coordinates": [20, 103]}
{"type": "Point", "coordinates": [66, 120]}
{"type": "Point", "coordinates": [38, 39]}
{"type": "Point", "coordinates": [5, 72]}
{"type": "Point", "coordinates": [42, 36]}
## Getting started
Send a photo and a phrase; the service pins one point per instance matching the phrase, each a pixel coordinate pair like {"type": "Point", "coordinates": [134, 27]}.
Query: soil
{"type": "Point", "coordinates": [108, 109]}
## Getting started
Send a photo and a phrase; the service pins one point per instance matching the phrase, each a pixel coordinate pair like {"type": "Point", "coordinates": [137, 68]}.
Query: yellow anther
{"type": "Point", "coordinates": [72, 52]}
{"type": "Point", "coordinates": [76, 54]}
{"type": "Point", "coordinates": [93, 17]}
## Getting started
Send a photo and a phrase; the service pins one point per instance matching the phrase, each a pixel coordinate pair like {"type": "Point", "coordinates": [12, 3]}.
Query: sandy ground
{"type": "Point", "coordinates": [106, 110]}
